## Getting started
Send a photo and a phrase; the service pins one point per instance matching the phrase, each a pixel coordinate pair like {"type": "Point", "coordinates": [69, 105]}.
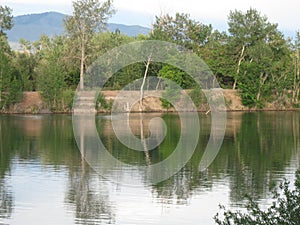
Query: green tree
{"type": "Point", "coordinates": [10, 82]}
{"type": "Point", "coordinates": [258, 48]}
{"type": "Point", "coordinates": [214, 53]}
{"type": "Point", "coordinates": [89, 17]}
{"type": "Point", "coordinates": [51, 75]}
{"type": "Point", "coordinates": [178, 76]}
{"type": "Point", "coordinates": [296, 70]}
{"type": "Point", "coordinates": [181, 30]}
{"type": "Point", "coordinates": [245, 30]}
{"type": "Point", "coordinates": [25, 63]}
{"type": "Point", "coordinates": [192, 35]}
{"type": "Point", "coordinates": [6, 19]}
{"type": "Point", "coordinates": [9, 78]}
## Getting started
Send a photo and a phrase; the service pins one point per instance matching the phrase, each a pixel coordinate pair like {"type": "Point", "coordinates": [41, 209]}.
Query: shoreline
{"type": "Point", "coordinates": [32, 104]}
{"type": "Point", "coordinates": [169, 111]}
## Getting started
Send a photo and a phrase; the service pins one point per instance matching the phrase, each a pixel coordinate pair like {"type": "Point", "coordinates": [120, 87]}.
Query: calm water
{"type": "Point", "coordinates": [44, 180]}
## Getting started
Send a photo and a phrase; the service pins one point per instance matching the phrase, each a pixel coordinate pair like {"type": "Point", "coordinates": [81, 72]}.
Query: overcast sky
{"type": "Point", "coordinates": [142, 12]}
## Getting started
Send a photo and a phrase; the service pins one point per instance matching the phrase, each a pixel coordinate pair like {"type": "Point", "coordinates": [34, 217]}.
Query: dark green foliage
{"type": "Point", "coordinates": [102, 103]}
{"type": "Point", "coordinates": [197, 96]}
{"type": "Point", "coordinates": [181, 30]}
{"type": "Point", "coordinates": [10, 82]}
{"type": "Point", "coordinates": [6, 22]}
{"type": "Point", "coordinates": [260, 54]}
{"type": "Point", "coordinates": [25, 63]}
{"type": "Point", "coordinates": [176, 75]}
{"type": "Point", "coordinates": [51, 73]}
{"type": "Point", "coordinates": [126, 75]}
{"type": "Point", "coordinates": [67, 99]}
{"type": "Point", "coordinates": [284, 210]}
{"type": "Point", "coordinates": [170, 95]}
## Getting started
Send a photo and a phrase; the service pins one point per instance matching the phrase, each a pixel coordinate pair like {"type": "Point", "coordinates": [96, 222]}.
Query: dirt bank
{"type": "Point", "coordinates": [32, 103]}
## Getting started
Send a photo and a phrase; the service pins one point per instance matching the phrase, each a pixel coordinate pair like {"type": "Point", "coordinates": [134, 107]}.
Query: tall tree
{"type": "Point", "coordinates": [214, 55]}
{"type": "Point", "coordinates": [260, 53]}
{"type": "Point", "coordinates": [181, 30]}
{"type": "Point", "coordinates": [89, 17]}
{"type": "Point", "coordinates": [10, 82]}
{"type": "Point", "coordinates": [6, 19]}
{"type": "Point", "coordinates": [51, 74]}
{"type": "Point", "coordinates": [245, 30]}
{"type": "Point", "coordinates": [296, 72]}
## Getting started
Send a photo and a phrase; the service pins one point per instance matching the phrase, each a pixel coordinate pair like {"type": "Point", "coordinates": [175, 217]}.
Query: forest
{"type": "Point", "coordinates": [253, 56]}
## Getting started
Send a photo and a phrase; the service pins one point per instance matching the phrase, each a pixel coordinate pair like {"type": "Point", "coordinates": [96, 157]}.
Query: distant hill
{"type": "Point", "coordinates": [31, 27]}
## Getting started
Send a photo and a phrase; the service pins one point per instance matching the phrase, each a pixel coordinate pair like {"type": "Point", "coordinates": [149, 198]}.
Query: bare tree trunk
{"type": "Point", "coordinates": [296, 89]}
{"type": "Point", "coordinates": [82, 59]}
{"type": "Point", "coordinates": [262, 80]}
{"type": "Point", "coordinates": [158, 83]}
{"type": "Point", "coordinates": [238, 66]}
{"type": "Point", "coordinates": [143, 83]}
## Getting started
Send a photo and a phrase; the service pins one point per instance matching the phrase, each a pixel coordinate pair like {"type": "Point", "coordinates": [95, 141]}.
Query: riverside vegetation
{"type": "Point", "coordinates": [252, 56]}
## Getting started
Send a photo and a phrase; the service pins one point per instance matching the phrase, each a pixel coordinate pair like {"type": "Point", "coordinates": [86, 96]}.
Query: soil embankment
{"type": "Point", "coordinates": [32, 103]}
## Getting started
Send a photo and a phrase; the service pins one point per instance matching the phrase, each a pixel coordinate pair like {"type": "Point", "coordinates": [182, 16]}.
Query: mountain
{"type": "Point", "coordinates": [31, 27]}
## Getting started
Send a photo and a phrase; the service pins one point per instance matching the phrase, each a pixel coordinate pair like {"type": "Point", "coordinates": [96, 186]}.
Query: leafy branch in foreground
{"type": "Point", "coordinates": [284, 210]}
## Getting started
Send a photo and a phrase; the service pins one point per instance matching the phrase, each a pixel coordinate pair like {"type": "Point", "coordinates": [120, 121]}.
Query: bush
{"type": "Point", "coordinates": [284, 210]}
{"type": "Point", "coordinates": [67, 99]}
{"type": "Point", "coordinates": [170, 95]}
{"type": "Point", "coordinates": [197, 96]}
{"type": "Point", "coordinates": [101, 103]}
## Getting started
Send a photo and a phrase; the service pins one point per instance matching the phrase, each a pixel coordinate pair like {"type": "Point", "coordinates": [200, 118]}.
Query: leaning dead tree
{"type": "Point", "coordinates": [143, 83]}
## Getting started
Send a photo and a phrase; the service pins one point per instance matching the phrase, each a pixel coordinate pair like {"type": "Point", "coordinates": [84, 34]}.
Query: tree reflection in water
{"type": "Point", "coordinates": [257, 150]}
{"type": "Point", "coordinates": [49, 139]}
{"type": "Point", "coordinates": [6, 200]}
{"type": "Point", "coordinates": [88, 197]}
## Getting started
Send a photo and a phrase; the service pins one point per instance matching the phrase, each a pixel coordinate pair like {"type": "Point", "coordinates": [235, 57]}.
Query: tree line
{"type": "Point", "coordinates": [252, 56]}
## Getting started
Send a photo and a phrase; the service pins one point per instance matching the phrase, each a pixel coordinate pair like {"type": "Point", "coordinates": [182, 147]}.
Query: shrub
{"type": "Point", "coordinates": [171, 94]}
{"type": "Point", "coordinates": [284, 210]}
{"type": "Point", "coordinates": [102, 103]}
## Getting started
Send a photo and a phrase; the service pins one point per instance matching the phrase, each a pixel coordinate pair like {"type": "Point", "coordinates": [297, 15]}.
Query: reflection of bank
{"type": "Point", "coordinates": [107, 165]}
{"type": "Point", "coordinates": [146, 131]}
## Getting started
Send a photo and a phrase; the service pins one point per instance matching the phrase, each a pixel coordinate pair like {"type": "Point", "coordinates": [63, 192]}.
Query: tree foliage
{"type": "Point", "coordinates": [258, 47]}
{"type": "Point", "coordinates": [284, 210]}
{"type": "Point", "coordinates": [181, 30]}
{"type": "Point", "coordinates": [178, 76]}
{"type": "Point", "coordinates": [10, 82]}
{"type": "Point", "coordinates": [51, 75]}
{"type": "Point", "coordinates": [253, 56]}
{"type": "Point", "coordinates": [89, 17]}
{"type": "Point", "coordinates": [6, 19]}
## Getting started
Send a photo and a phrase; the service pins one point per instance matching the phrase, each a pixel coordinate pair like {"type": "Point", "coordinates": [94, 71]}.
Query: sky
{"type": "Point", "coordinates": [142, 12]}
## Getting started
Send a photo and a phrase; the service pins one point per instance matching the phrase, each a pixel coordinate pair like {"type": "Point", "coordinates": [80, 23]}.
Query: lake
{"type": "Point", "coordinates": [45, 180]}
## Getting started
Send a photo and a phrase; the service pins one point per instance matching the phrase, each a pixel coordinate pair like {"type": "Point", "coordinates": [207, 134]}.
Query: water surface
{"type": "Point", "coordinates": [45, 180]}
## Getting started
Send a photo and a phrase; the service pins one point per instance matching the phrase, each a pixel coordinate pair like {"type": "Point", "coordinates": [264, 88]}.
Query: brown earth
{"type": "Point", "coordinates": [233, 100]}
{"type": "Point", "coordinates": [32, 103]}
